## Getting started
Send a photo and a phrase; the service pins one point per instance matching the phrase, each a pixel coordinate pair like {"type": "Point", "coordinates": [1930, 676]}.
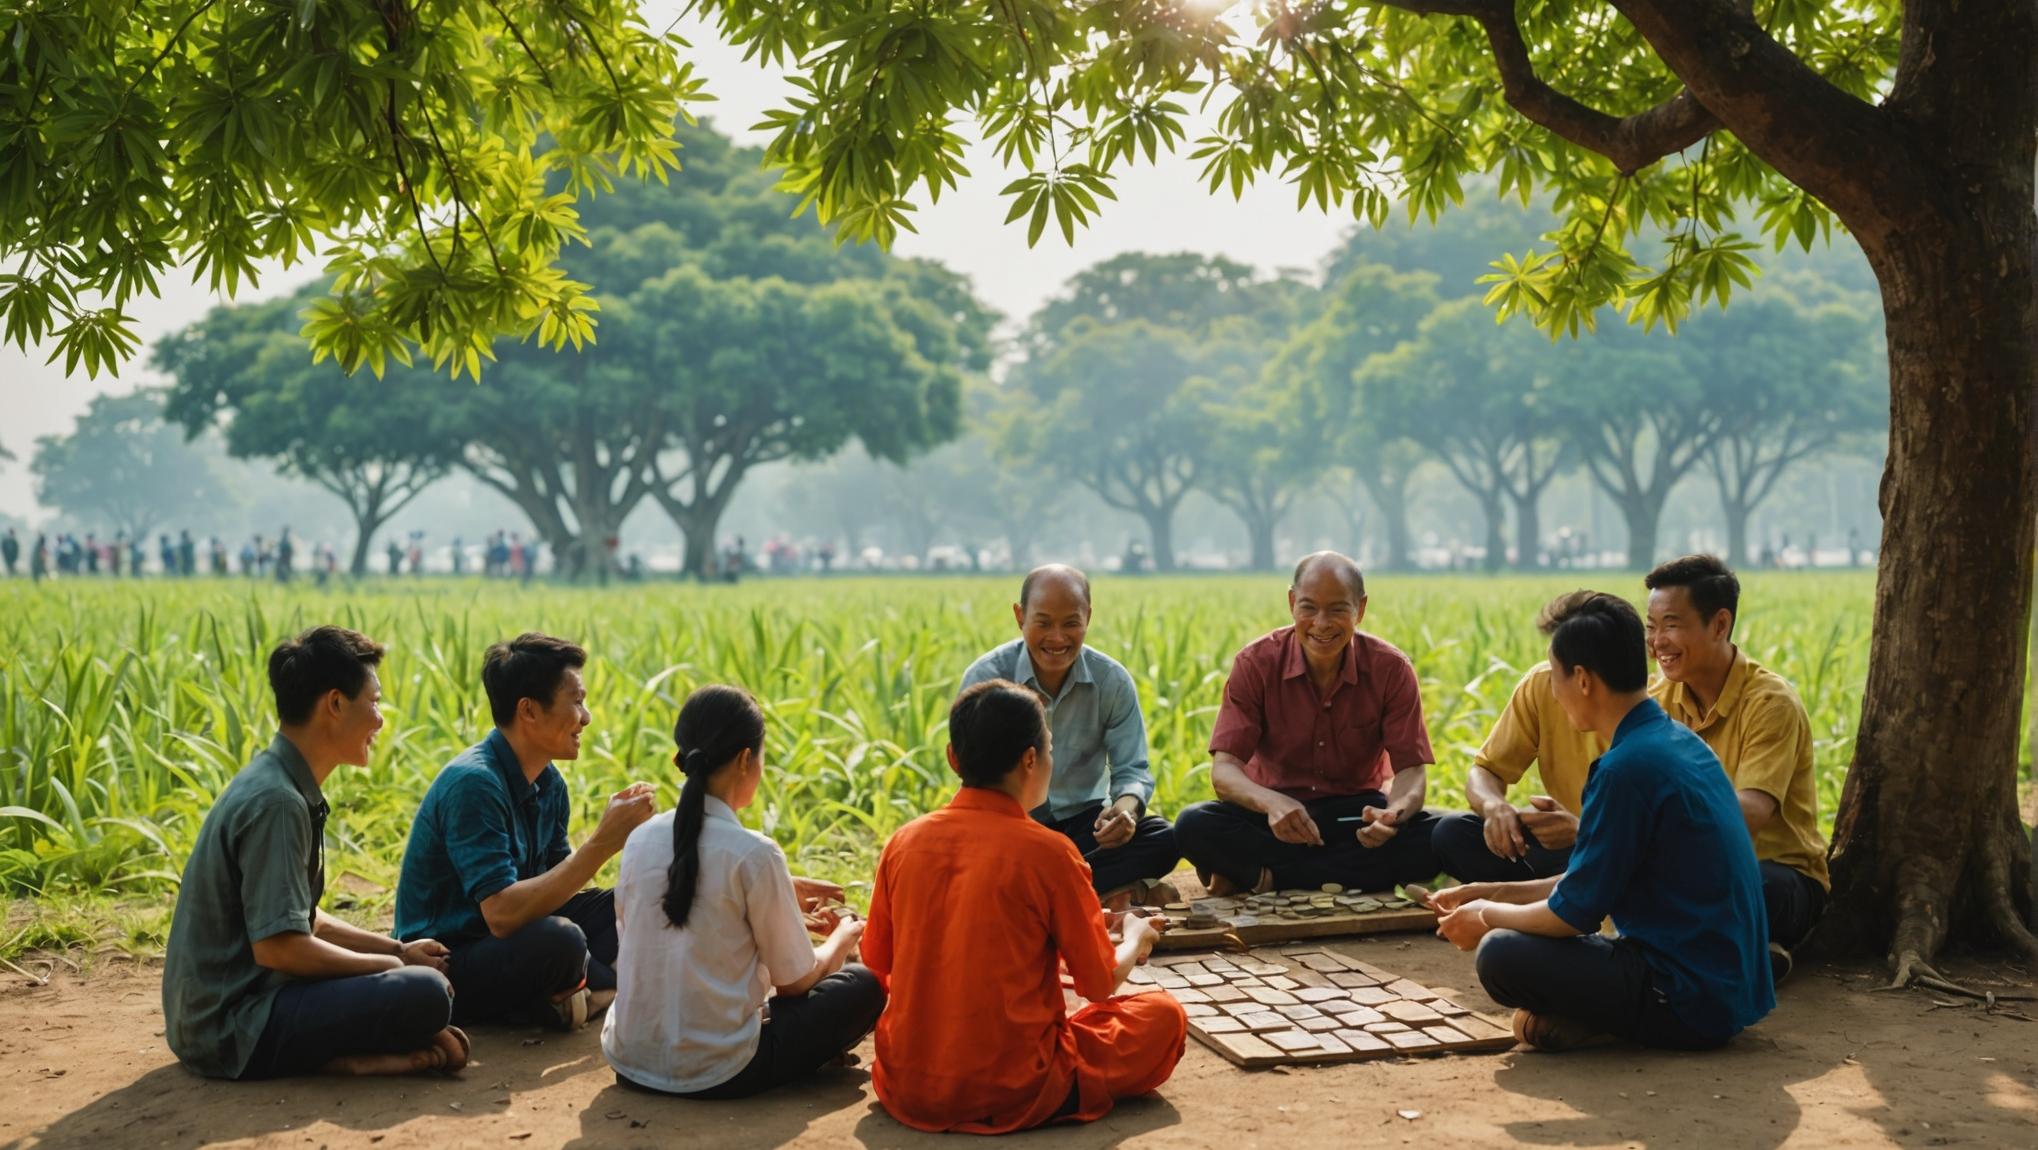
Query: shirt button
{"type": "Point", "coordinates": [1319, 742]}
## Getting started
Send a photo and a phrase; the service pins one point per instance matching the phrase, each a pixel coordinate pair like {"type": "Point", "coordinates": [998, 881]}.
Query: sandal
{"type": "Point", "coordinates": [570, 1012]}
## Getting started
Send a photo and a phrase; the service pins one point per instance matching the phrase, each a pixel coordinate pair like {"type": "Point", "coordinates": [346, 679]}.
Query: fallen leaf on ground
{"type": "Point", "coordinates": [1410, 1115]}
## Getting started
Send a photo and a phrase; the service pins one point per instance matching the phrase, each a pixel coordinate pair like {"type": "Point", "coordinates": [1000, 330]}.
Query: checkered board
{"type": "Point", "coordinates": [1301, 1007]}
{"type": "Point", "coordinates": [1287, 916]}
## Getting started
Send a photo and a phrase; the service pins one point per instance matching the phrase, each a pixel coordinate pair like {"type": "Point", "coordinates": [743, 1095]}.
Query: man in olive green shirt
{"type": "Point", "coordinates": [257, 981]}
{"type": "Point", "coordinates": [1749, 716]}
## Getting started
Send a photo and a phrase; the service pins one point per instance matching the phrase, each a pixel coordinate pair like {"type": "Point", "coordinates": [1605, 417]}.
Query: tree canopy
{"type": "Point", "coordinates": [123, 464]}
{"type": "Point", "coordinates": [431, 152]}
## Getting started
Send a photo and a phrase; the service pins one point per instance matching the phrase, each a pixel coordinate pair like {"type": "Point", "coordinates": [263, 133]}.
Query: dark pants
{"type": "Point", "coordinates": [1150, 854]}
{"type": "Point", "coordinates": [801, 1034]}
{"type": "Point", "coordinates": [1604, 983]}
{"type": "Point", "coordinates": [514, 979]}
{"type": "Point", "coordinates": [1794, 901]}
{"type": "Point", "coordinates": [1462, 853]}
{"type": "Point", "coordinates": [1232, 841]}
{"type": "Point", "coordinates": [313, 1022]}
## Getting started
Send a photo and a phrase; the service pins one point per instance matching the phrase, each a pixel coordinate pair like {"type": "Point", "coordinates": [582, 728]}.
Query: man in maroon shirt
{"type": "Point", "coordinates": [1319, 757]}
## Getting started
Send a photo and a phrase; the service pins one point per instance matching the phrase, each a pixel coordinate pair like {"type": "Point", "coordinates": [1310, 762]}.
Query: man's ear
{"type": "Point", "coordinates": [1019, 615]}
{"type": "Point", "coordinates": [953, 765]}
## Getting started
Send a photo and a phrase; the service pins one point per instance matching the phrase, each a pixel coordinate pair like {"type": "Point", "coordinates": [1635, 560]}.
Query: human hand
{"type": "Point", "coordinates": [1465, 926]}
{"type": "Point", "coordinates": [1451, 898]}
{"type": "Point", "coordinates": [1504, 834]}
{"type": "Point", "coordinates": [1554, 827]}
{"type": "Point", "coordinates": [1142, 932]}
{"type": "Point", "coordinates": [424, 952]}
{"type": "Point", "coordinates": [1291, 823]}
{"type": "Point", "coordinates": [628, 809]}
{"type": "Point", "coordinates": [846, 936]}
{"type": "Point", "coordinates": [1115, 825]}
{"type": "Point", "coordinates": [1380, 824]}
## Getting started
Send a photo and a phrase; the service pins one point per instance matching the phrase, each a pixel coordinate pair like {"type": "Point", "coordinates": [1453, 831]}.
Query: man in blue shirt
{"type": "Point", "coordinates": [488, 869]}
{"type": "Point", "coordinates": [1101, 780]}
{"type": "Point", "coordinates": [1662, 849]}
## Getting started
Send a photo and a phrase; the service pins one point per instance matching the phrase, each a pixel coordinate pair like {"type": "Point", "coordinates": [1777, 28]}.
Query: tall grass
{"type": "Point", "coordinates": [124, 708]}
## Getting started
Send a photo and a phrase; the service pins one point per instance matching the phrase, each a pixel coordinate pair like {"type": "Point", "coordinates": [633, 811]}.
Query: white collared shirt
{"type": "Point", "coordinates": [686, 1015]}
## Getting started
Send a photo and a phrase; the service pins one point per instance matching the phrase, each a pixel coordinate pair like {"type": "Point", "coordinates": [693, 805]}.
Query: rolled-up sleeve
{"type": "Point", "coordinates": [1403, 734]}
{"type": "Point", "coordinates": [1512, 745]}
{"type": "Point", "coordinates": [476, 831]}
{"type": "Point", "coordinates": [1125, 740]}
{"type": "Point", "coordinates": [273, 848]}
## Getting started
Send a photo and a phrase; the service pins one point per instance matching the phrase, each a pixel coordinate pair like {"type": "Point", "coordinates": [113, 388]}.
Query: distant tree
{"type": "Point", "coordinates": [1370, 311]}
{"type": "Point", "coordinates": [1790, 380]}
{"type": "Point", "coordinates": [1639, 420]}
{"type": "Point", "coordinates": [1478, 396]}
{"type": "Point", "coordinates": [376, 445]}
{"type": "Point", "coordinates": [122, 465]}
{"type": "Point", "coordinates": [1268, 443]}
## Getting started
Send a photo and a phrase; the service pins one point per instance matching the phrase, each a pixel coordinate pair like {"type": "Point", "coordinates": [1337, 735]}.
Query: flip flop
{"type": "Point", "coordinates": [570, 1013]}
{"type": "Point", "coordinates": [454, 1066]}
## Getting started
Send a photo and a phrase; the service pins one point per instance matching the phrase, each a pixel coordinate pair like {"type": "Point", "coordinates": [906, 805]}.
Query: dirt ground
{"type": "Point", "coordinates": [82, 1064]}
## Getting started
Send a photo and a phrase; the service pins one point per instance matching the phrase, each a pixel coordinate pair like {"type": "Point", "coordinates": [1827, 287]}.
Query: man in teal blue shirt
{"type": "Point", "coordinates": [488, 869]}
{"type": "Point", "coordinates": [258, 982]}
{"type": "Point", "coordinates": [1662, 849]}
{"type": "Point", "coordinates": [1101, 783]}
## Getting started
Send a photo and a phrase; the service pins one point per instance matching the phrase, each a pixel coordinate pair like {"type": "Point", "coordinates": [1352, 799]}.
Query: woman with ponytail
{"type": "Point", "coordinates": [721, 993]}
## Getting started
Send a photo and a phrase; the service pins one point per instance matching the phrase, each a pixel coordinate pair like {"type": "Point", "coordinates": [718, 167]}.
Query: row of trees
{"type": "Point", "coordinates": [735, 338]}
{"type": "Point", "coordinates": [1154, 376]}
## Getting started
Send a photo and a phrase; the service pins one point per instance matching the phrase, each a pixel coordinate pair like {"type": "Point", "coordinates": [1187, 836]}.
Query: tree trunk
{"type": "Point", "coordinates": [1259, 527]}
{"type": "Point", "coordinates": [1528, 532]}
{"type": "Point", "coordinates": [1737, 531]}
{"type": "Point", "coordinates": [1496, 531]}
{"type": "Point", "coordinates": [363, 547]}
{"type": "Point", "coordinates": [1927, 843]}
{"type": "Point", "coordinates": [1160, 528]}
{"type": "Point", "coordinates": [1643, 515]}
{"type": "Point", "coordinates": [1394, 509]}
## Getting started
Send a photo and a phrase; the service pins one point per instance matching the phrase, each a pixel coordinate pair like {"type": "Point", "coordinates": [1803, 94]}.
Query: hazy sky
{"type": "Point", "coordinates": [1163, 208]}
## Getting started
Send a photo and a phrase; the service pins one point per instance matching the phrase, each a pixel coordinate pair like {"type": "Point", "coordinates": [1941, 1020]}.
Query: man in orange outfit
{"type": "Point", "coordinates": [975, 911]}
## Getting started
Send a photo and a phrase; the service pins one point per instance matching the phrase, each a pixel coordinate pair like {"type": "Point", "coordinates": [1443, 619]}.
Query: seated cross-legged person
{"type": "Point", "coordinates": [1753, 720]}
{"type": "Point", "coordinates": [975, 911]}
{"type": "Point", "coordinates": [258, 982]}
{"type": "Point", "coordinates": [1101, 780]}
{"type": "Point", "coordinates": [721, 994]}
{"type": "Point", "coordinates": [1498, 841]}
{"type": "Point", "coordinates": [488, 869]}
{"type": "Point", "coordinates": [1661, 850]}
{"type": "Point", "coordinates": [1319, 754]}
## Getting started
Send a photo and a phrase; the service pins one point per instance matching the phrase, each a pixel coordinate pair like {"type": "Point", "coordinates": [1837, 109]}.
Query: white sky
{"type": "Point", "coordinates": [1163, 209]}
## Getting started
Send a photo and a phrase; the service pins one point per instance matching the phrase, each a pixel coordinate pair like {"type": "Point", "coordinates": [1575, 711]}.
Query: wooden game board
{"type": "Point", "coordinates": [1302, 1006]}
{"type": "Point", "coordinates": [1288, 916]}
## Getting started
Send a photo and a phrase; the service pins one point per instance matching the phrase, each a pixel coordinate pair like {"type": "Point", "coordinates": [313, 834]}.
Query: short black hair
{"type": "Point", "coordinates": [1034, 577]}
{"type": "Point", "coordinates": [304, 669]}
{"type": "Point", "coordinates": [1599, 632]}
{"type": "Point", "coordinates": [529, 666]}
{"type": "Point", "coordinates": [1710, 581]}
{"type": "Point", "coordinates": [1347, 569]}
{"type": "Point", "coordinates": [990, 726]}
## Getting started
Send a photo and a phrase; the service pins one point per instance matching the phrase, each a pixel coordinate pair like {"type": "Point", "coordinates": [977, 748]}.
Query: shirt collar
{"type": "Point", "coordinates": [503, 758]}
{"type": "Point", "coordinates": [715, 808]}
{"type": "Point", "coordinates": [1295, 664]}
{"type": "Point", "coordinates": [1730, 695]}
{"type": "Point", "coordinates": [1024, 674]}
{"type": "Point", "coordinates": [1642, 714]}
{"type": "Point", "coordinates": [986, 799]}
{"type": "Point", "coordinates": [298, 772]}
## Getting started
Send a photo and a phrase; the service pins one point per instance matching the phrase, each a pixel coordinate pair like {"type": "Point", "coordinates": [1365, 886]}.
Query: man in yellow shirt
{"type": "Point", "coordinates": [1749, 716]}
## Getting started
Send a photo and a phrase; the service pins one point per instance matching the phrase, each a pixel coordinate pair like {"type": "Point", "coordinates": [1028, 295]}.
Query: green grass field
{"type": "Point", "coordinates": [124, 708]}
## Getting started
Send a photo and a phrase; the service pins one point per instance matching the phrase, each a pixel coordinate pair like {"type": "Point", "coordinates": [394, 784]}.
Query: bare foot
{"type": "Point", "coordinates": [454, 1044]}
{"type": "Point", "coordinates": [598, 1001]}
{"type": "Point", "coordinates": [383, 1065]}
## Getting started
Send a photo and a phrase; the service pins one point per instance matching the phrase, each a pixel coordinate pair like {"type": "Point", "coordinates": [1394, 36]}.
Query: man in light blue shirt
{"type": "Point", "coordinates": [1101, 781]}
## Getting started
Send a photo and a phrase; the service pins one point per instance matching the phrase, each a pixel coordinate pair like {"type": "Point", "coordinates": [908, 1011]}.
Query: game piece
{"type": "Point", "coordinates": [1247, 1048]}
{"type": "Point", "coordinates": [1405, 1011]}
{"type": "Point", "coordinates": [1321, 993]}
{"type": "Point", "coordinates": [1282, 982]}
{"type": "Point", "coordinates": [1410, 989]}
{"type": "Point", "coordinates": [1269, 996]}
{"type": "Point", "coordinates": [1188, 994]}
{"type": "Point", "coordinates": [1199, 1009]}
{"type": "Point", "coordinates": [1411, 1040]}
{"type": "Point", "coordinates": [1292, 1040]}
{"type": "Point", "coordinates": [1318, 1024]}
{"type": "Point", "coordinates": [1264, 1021]}
{"type": "Point", "coordinates": [1299, 1011]}
{"type": "Point", "coordinates": [1373, 995]}
{"type": "Point", "coordinates": [1225, 994]}
{"type": "Point", "coordinates": [1362, 1042]}
{"type": "Point", "coordinates": [1285, 915]}
{"type": "Point", "coordinates": [1221, 1024]}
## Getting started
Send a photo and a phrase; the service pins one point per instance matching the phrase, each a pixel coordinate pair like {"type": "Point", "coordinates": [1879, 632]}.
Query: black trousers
{"type": "Point", "coordinates": [514, 979]}
{"type": "Point", "coordinates": [1462, 853]}
{"type": "Point", "coordinates": [1794, 901]}
{"type": "Point", "coordinates": [801, 1035]}
{"type": "Point", "coordinates": [1149, 855]}
{"type": "Point", "coordinates": [315, 1021]}
{"type": "Point", "coordinates": [1232, 841]}
{"type": "Point", "coordinates": [1604, 983]}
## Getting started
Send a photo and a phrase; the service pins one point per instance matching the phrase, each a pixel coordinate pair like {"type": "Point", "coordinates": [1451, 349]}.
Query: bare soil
{"type": "Point", "coordinates": [82, 1064]}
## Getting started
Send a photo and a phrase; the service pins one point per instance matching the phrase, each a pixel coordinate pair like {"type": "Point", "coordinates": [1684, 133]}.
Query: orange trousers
{"type": "Point", "coordinates": [1125, 1047]}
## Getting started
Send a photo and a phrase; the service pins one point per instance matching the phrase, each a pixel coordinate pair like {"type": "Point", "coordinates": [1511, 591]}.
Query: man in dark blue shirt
{"type": "Point", "coordinates": [488, 869]}
{"type": "Point", "coordinates": [1662, 849]}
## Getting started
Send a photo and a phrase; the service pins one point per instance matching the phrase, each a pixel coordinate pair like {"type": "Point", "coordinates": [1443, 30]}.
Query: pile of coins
{"type": "Point", "coordinates": [1277, 906]}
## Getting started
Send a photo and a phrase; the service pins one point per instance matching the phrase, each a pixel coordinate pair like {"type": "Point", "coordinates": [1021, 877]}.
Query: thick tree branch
{"type": "Point", "coordinates": [1631, 142]}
